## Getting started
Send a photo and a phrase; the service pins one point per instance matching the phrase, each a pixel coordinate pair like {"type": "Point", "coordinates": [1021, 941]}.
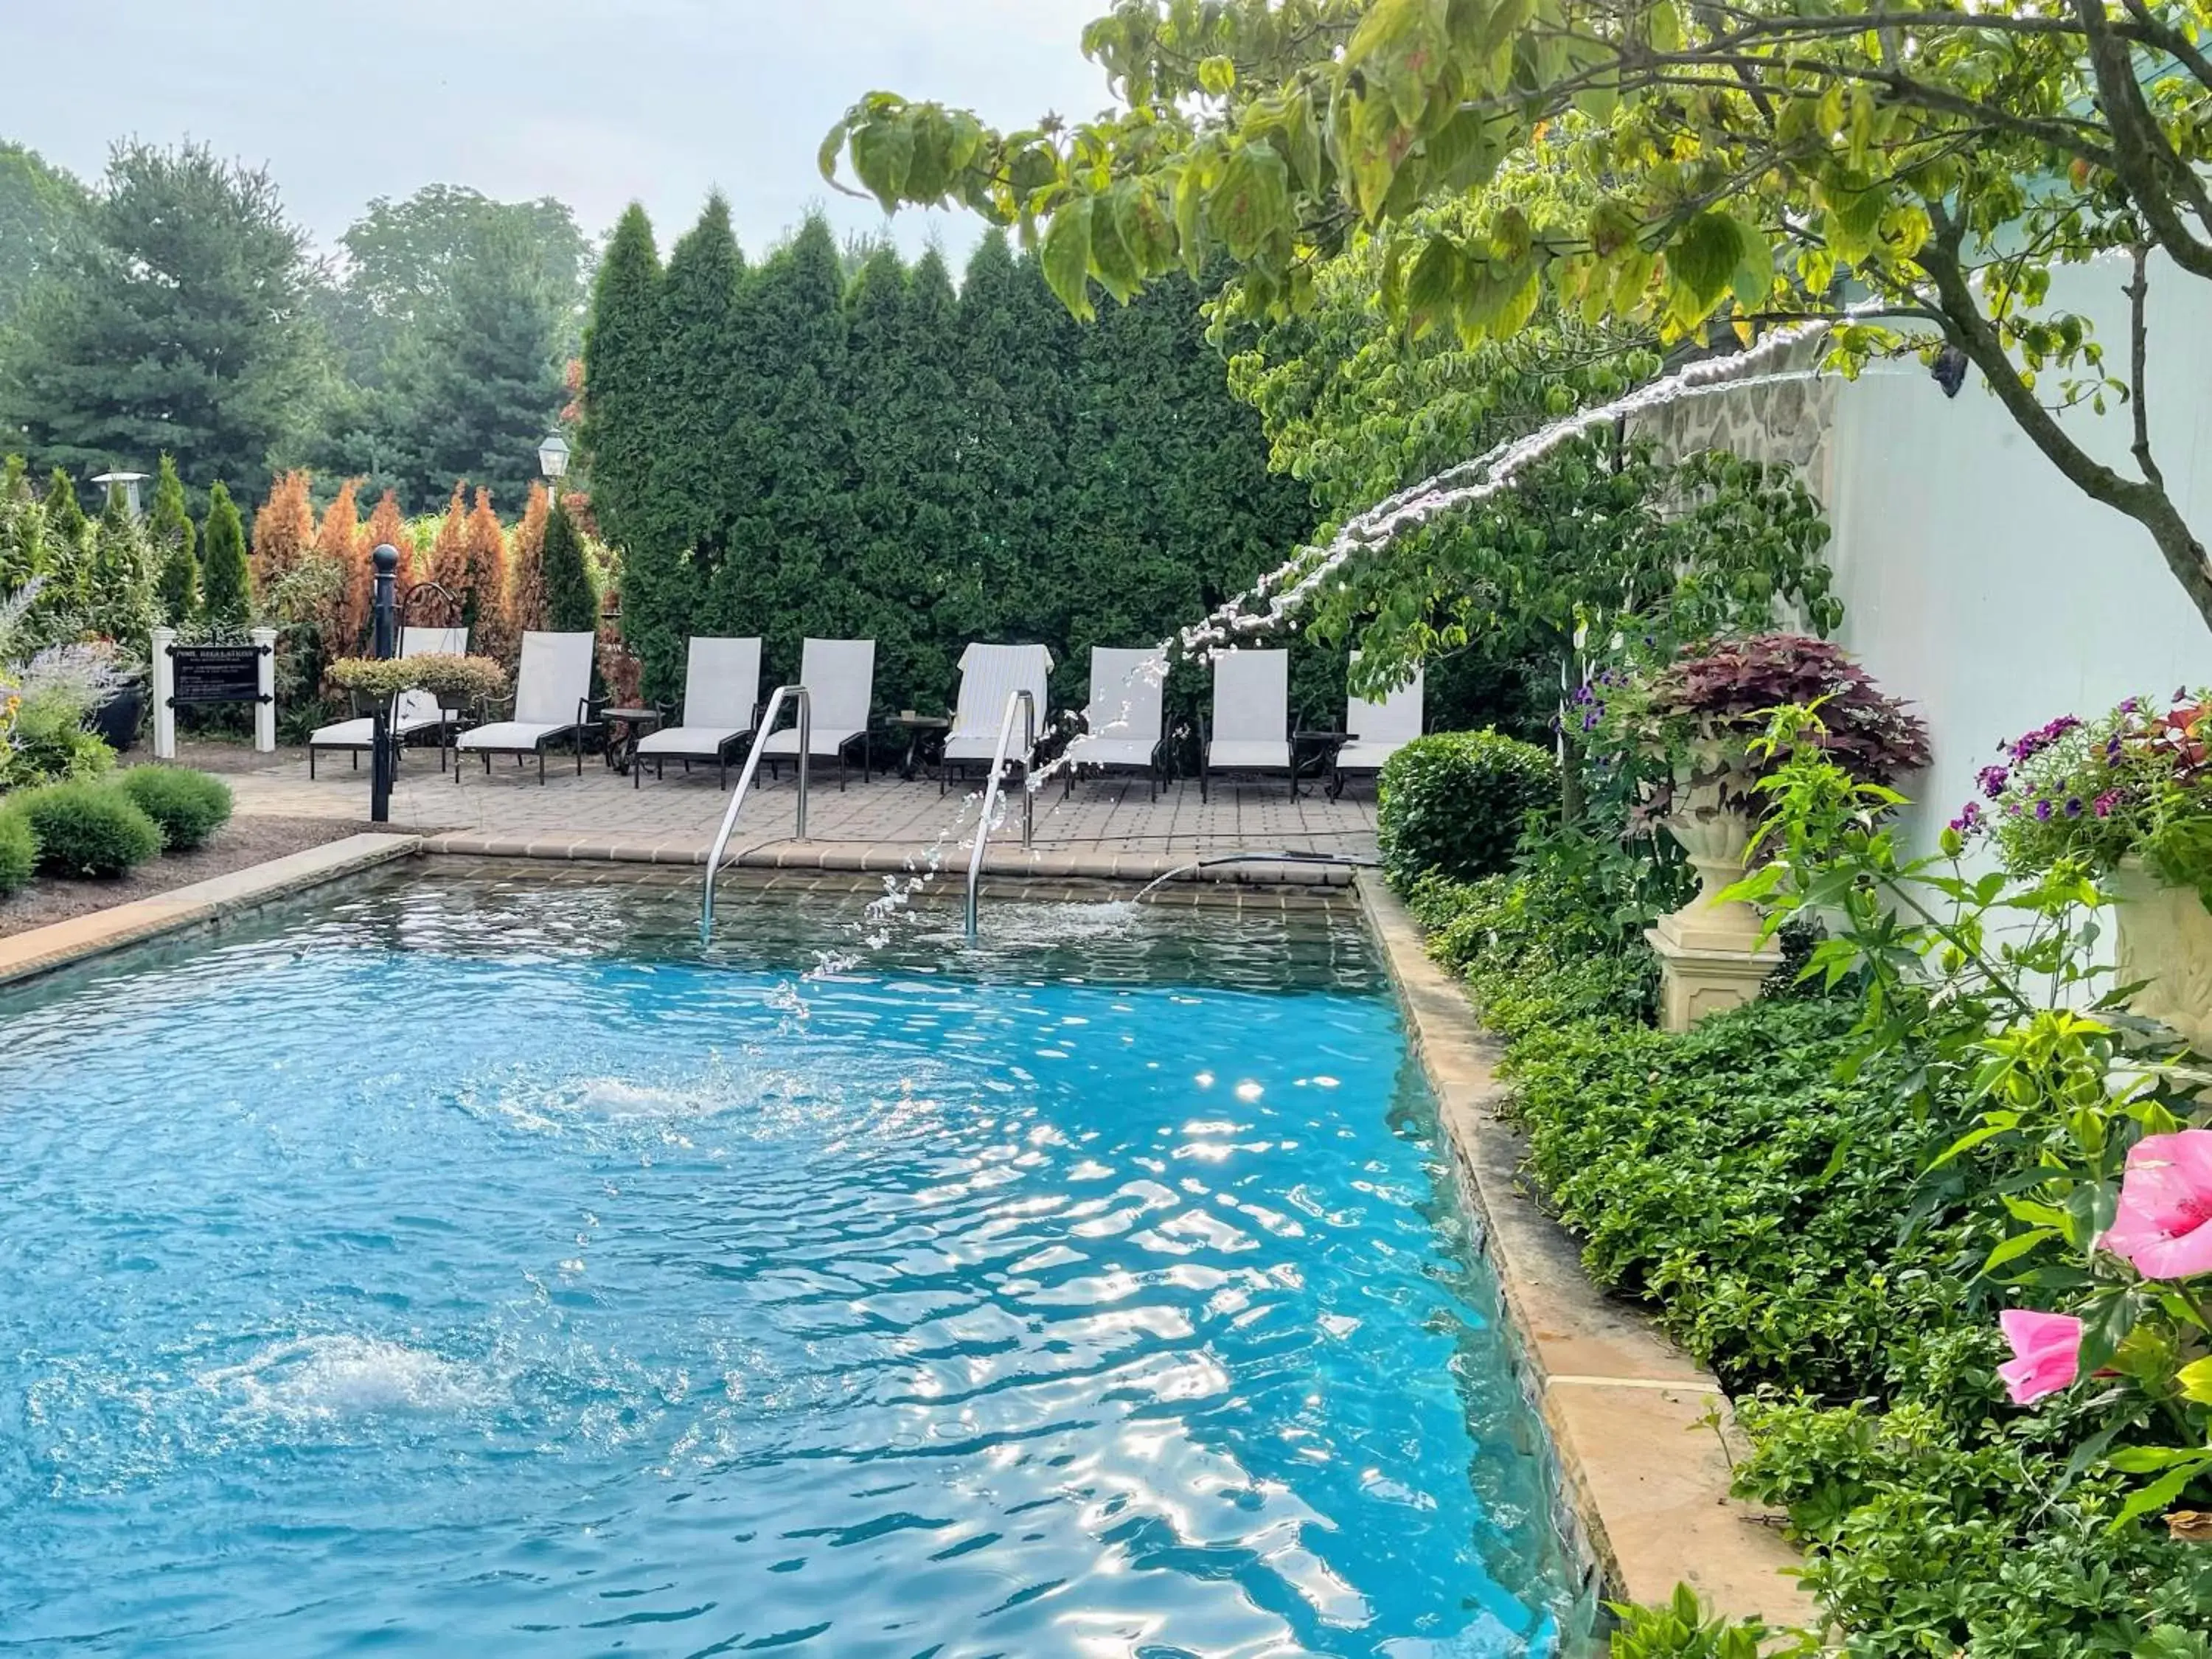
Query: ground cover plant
{"type": "Point", "coordinates": [1868, 1202]}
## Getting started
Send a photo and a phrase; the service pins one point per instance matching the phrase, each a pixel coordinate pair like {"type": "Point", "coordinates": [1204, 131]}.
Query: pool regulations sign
{"type": "Point", "coordinates": [195, 676]}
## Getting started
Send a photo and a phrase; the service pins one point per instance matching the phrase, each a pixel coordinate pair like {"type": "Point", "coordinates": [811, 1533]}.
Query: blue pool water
{"type": "Point", "coordinates": [454, 1268]}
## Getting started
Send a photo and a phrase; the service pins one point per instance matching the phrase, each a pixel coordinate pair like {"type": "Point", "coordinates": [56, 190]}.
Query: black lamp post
{"type": "Point", "coordinates": [385, 609]}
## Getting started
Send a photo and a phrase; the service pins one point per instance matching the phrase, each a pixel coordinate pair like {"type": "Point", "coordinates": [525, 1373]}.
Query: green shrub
{"type": "Point", "coordinates": [51, 744]}
{"type": "Point", "coordinates": [190, 807]}
{"type": "Point", "coordinates": [1456, 803]}
{"type": "Point", "coordinates": [19, 851]}
{"type": "Point", "coordinates": [89, 830]}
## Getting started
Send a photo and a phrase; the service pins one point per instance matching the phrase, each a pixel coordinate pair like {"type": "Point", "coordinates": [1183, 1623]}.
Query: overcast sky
{"type": "Point", "coordinates": [596, 101]}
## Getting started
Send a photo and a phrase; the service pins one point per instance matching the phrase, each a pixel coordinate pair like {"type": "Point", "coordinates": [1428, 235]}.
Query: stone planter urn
{"type": "Point", "coordinates": [1710, 954]}
{"type": "Point", "coordinates": [2164, 940]}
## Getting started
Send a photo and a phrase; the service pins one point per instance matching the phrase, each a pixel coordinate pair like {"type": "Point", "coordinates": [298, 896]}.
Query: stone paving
{"type": "Point", "coordinates": [1105, 827]}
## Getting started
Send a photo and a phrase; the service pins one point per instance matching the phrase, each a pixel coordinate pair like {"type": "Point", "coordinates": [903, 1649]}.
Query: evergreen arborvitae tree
{"type": "Point", "coordinates": [622, 403]}
{"type": "Point", "coordinates": [1015, 357]}
{"type": "Point", "coordinates": [68, 547]}
{"type": "Point", "coordinates": [225, 580]}
{"type": "Point", "coordinates": [527, 569]}
{"type": "Point", "coordinates": [118, 596]}
{"type": "Point", "coordinates": [284, 530]}
{"type": "Point", "coordinates": [22, 527]}
{"type": "Point", "coordinates": [178, 581]}
{"type": "Point", "coordinates": [572, 604]}
{"type": "Point", "coordinates": [789, 568]}
{"type": "Point", "coordinates": [679, 534]}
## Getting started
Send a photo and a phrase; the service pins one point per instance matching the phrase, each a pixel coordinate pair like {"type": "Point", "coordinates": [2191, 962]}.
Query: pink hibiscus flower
{"type": "Point", "coordinates": [2164, 1225]}
{"type": "Point", "coordinates": [2046, 1353]}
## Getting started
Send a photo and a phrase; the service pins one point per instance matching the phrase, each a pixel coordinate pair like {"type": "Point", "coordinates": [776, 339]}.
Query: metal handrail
{"type": "Point", "coordinates": [745, 781]}
{"type": "Point", "coordinates": [1027, 703]}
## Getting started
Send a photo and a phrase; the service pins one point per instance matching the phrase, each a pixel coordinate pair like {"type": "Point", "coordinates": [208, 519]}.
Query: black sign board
{"type": "Point", "coordinates": [216, 673]}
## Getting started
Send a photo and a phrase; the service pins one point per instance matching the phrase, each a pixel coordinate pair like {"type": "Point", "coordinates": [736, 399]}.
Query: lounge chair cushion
{"type": "Point", "coordinates": [361, 733]}
{"type": "Point", "coordinates": [1247, 757]}
{"type": "Point", "coordinates": [1366, 756]}
{"type": "Point", "coordinates": [690, 741]}
{"type": "Point", "coordinates": [517, 735]}
{"type": "Point", "coordinates": [989, 676]}
{"type": "Point", "coordinates": [823, 740]}
{"type": "Point", "coordinates": [1088, 751]}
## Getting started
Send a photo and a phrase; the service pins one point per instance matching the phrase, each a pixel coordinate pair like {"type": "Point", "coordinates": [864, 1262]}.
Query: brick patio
{"type": "Point", "coordinates": [1105, 828]}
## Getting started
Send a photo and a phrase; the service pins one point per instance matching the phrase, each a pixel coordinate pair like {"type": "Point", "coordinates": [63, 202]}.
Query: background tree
{"type": "Point", "coordinates": [226, 579]}
{"type": "Point", "coordinates": [1752, 165]}
{"type": "Point", "coordinates": [284, 530]}
{"type": "Point", "coordinates": [526, 563]}
{"type": "Point", "coordinates": [39, 206]}
{"type": "Point", "coordinates": [571, 603]}
{"type": "Point", "coordinates": [338, 541]}
{"type": "Point", "coordinates": [622, 368]}
{"type": "Point", "coordinates": [405, 260]}
{"type": "Point", "coordinates": [22, 527]}
{"type": "Point", "coordinates": [484, 578]}
{"type": "Point", "coordinates": [177, 581]}
{"type": "Point", "coordinates": [68, 547]}
{"type": "Point", "coordinates": [476, 383]}
{"type": "Point", "coordinates": [386, 527]}
{"type": "Point", "coordinates": [175, 319]}
{"type": "Point", "coordinates": [117, 598]}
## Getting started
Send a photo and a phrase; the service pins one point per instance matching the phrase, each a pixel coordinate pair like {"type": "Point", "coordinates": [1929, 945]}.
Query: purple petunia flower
{"type": "Point", "coordinates": [2035, 743]}
{"type": "Point", "coordinates": [2130, 705]}
{"type": "Point", "coordinates": [2043, 811]}
{"type": "Point", "coordinates": [1969, 819]}
{"type": "Point", "coordinates": [2074, 806]}
{"type": "Point", "coordinates": [2104, 803]}
{"type": "Point", "coordinates": [1993, 780]}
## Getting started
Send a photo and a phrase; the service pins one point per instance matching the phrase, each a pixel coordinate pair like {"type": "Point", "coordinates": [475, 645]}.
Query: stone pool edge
{"type": "Point", "coordinates": [1644, 1463]}
{"type": "Point", "coordinates": [63, 944]}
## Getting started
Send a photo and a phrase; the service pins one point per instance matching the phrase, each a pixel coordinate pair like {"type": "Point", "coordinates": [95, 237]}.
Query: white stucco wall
{"type": "Point", "coordinates": [1979, 582]}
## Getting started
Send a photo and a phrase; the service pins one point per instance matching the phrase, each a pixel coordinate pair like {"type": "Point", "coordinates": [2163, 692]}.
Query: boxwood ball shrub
{"type": "Point", "coordinates": [1454, 803]}
{"type": "Point", "coordinates": [19, 851]}
{"type": "Point", "coordinates": [190, 807]}
{"type": "Point", "coordinates": [89, 830]}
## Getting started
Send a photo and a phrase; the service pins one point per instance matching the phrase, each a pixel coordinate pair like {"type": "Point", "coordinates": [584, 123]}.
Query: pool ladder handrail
{"type": "Point", "coordinates": [1026, 703]}
{"type": "Point", "coordinates": [744, 782]}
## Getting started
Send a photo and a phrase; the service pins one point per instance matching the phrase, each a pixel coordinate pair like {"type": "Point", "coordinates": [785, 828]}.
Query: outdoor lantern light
{"type": "Point", "coordinates": [129, 482]}
{"type": "Point", "coordinates": [553, 456]}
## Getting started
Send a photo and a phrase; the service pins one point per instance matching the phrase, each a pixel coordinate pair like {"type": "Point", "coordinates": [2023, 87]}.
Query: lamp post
{"type": "Point", "coordinates": [553, 458]}
{"type": "Point", "coordinates": [384, 607]}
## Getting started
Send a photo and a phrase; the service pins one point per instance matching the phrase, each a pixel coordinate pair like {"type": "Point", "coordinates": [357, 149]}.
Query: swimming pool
{"type": "Point", "coordinates": [469, 1261]}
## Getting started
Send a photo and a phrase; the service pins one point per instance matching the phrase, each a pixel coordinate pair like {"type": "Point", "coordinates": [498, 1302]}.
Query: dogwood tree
{"type": "Point", "coordinates": [1910, 172]}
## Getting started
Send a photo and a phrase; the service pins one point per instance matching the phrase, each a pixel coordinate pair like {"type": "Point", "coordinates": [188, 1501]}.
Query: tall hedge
{"type": "Point", "coordinates": [178, 581]}
{"type": "Point", "coordinates": [831, 447]}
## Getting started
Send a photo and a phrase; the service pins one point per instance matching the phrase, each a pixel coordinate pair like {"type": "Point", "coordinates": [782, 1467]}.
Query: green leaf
{"type": "Point", "coordinates": [2195, 1381]}
{"type": "Point", "coordinates": [2156, 1496]}
{"type": "Point", "coordinates": [883, 151]}
{"type": "Point", "coordinates": [1251, 204]}
{"type": "Point", "coordinates": [1702, 261]}
{"type": "Point", "coordinates": [2016, 1247]}
{"type": "Point", "coordinates": [1432, 286]}
{"type": "Point", "coordinates": [1217, 75]}
{"type": "Point", "coordinates": [1065, 257]}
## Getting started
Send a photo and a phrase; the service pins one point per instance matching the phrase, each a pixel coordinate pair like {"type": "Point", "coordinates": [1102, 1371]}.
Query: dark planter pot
{"type": "Point", "coordinates": [117, 719]}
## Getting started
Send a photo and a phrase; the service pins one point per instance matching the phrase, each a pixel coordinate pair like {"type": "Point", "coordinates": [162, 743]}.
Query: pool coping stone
{"type": "Point", "coordinates": [893, 857]}
{"type": "Point", "coordinates": [63, 944]}
{"type": "Point", "coordinates": [1644, 1435]}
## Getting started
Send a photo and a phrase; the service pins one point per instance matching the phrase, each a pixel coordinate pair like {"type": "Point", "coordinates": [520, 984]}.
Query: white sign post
{"type": "Point", "coordinates": [165, 688]}
{"type": "Point", "coordinates": [264, 712]}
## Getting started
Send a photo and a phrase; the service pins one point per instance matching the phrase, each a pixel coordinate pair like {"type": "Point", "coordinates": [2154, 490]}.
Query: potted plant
{"type": "Point", "coordinates": [118, 714]}
{"type": "Point", "coordinates": [2127, 797]}
{"type": "Point", "coordinates": [456, 681]}
{"type": "Point", "coordinates": [1697, 716]}
{"type": "Point", "coordinates": [1693, 721]}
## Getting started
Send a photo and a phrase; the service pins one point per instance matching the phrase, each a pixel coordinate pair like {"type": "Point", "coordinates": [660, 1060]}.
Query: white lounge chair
{"type": "Point", "coordinates": [1251, 724]}
{"type": "Point", "coordinates": [1379, 730]}
{"type": "Point", "coordinates": [721, 705]}
{"type": "Point", "coordinates": [840, 677]}
{"type": "Point", "coordinates": [552, 699]}
{"type": "Point", "coordinates": [1121, 723]}
{"type": "Point", "coordinates": [416, 712]}
{"type": "Point", "coordinates": [989, 674]}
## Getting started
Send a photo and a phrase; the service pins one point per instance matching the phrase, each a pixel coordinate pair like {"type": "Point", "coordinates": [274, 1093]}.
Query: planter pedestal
{"type": "Point", "coordinates": [1711, 958]}
{"type": "Point", "coordinates": [2164, 940]}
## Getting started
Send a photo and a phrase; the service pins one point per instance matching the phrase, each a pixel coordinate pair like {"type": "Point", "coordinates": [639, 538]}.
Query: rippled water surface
{"type": "Point", "coordinates": [455, 1267]}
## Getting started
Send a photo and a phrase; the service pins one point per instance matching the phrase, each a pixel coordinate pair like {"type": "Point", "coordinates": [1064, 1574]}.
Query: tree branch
{"type": "Point", "coordinates": [2139, 150]}
{"type": "Point", "coordinates": [2138, 355]}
